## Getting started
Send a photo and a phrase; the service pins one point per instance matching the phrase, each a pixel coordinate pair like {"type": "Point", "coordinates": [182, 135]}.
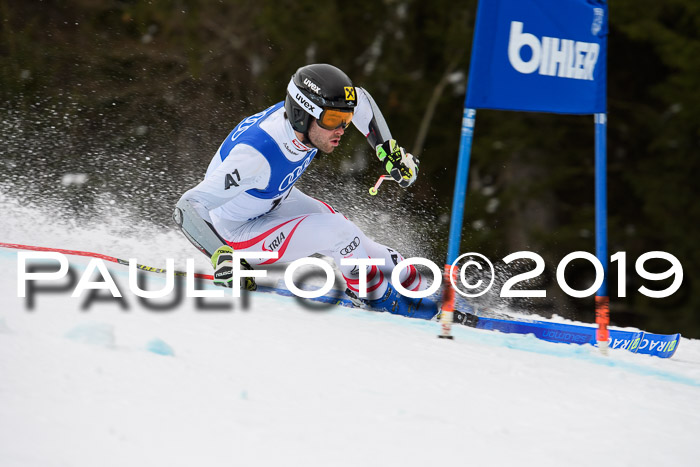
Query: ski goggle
{"type": "Point", "coordinates": [332, 119]}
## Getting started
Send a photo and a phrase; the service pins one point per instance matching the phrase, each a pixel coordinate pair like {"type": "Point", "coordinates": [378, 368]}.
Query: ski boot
{"type": "Point", "coordinates": [397, 304]}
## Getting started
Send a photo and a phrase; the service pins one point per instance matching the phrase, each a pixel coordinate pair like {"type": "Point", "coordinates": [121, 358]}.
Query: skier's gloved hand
{"type": "Point", "coordinates": [222, 261]}
{"type": "Point", "coordinates": [402, 166]}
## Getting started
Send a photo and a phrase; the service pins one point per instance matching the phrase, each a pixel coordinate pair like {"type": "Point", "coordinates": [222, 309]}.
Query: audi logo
{"type": "Point", "coordinates": [291, 177]}
{"type": "Point", "coordinates": [351, 247]}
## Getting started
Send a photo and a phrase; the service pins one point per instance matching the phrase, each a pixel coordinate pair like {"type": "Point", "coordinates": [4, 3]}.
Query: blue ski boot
{"type": "Point", "coordinates": [397, 304]}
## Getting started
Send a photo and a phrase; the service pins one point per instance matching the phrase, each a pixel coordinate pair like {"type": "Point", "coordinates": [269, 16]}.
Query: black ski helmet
{"type": "Point", "coordinates": [313, 88]}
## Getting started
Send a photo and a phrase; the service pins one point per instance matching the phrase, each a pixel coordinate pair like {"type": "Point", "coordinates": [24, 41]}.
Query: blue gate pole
{"type": "Point", "coordinates": [602, 301]}
{"type": "Point", "coordinates": [465, 150]}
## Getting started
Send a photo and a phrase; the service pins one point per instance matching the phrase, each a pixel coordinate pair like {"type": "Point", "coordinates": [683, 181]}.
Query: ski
{"type": "Point", "coordinates": [641, 342]}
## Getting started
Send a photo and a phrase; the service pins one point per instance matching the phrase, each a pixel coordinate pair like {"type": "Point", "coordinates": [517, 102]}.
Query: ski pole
{"type": "Point", "coordinates": [17, 246]}
{"type": "Point", "coordinates": [375, 188]}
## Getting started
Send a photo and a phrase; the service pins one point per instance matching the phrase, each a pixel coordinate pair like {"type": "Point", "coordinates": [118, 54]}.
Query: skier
{"type": "Point", "coordinates": [247, 201]}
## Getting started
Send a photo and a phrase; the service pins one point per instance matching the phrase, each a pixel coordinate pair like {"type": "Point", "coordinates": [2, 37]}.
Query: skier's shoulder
{"type": "Point", "coordinates": [245, 156]}
{"type": "Point", "coordinates": [242, 169]}
{"type": "Point", "coordinates": [280, 130]}
{"type": "Point", "coordinates": [275, 123]}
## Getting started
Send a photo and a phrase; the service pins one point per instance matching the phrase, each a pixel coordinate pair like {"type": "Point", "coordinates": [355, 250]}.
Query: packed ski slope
{"type": "Point", "coordinates": [279, 384]}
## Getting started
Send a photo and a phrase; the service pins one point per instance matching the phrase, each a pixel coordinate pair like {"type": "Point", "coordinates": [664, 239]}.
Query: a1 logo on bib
{"type": "Point", "coordinates": [350, 93]}
{"type": "Point", "coordinates": [231, 181]}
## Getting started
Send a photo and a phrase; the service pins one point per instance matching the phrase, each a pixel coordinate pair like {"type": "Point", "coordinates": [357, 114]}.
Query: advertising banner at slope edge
{"type": "Point", "coordinates": [540, 55]}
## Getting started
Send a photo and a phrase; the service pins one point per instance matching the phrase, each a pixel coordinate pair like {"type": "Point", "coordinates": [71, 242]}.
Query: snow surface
{"type": "Point", "coordinates": [278, 384]}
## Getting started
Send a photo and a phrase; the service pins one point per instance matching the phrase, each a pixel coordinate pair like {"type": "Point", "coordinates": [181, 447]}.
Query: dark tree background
{"type": "Point", "coordinates": [139, 94]}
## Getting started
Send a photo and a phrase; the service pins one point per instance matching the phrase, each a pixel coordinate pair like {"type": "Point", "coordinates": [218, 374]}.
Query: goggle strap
{"type": "Point", "coordinates": [303, 101]}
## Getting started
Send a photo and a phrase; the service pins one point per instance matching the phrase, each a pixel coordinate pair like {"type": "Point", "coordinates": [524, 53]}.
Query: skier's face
{"type": "Point", "coordinates": [325, 140]}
